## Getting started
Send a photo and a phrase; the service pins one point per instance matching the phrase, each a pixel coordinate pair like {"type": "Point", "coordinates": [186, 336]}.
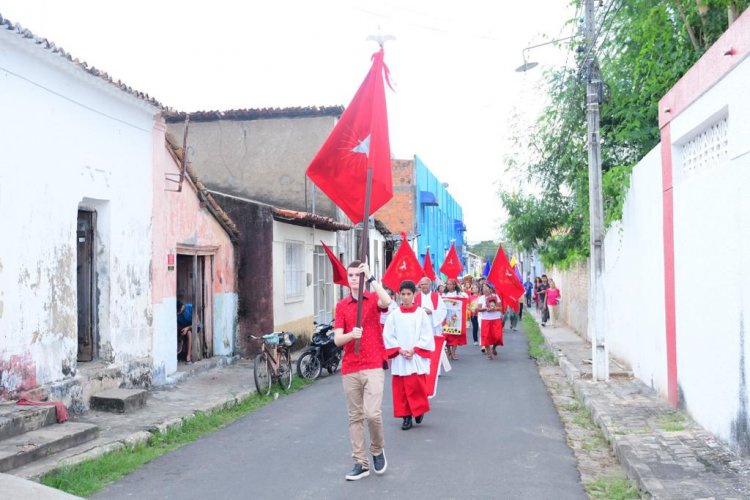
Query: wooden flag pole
{"type": "Point", "coordinates": [363, 252]}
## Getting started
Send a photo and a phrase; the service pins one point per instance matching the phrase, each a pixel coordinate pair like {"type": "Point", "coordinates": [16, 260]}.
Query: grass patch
{"type": "Point", "coordinates": [612, 489]}
{"type": "Point", "coordinates": [672, 422]}
{"type": "Point", "coordinates": [537, 350]}
{"type": "Point", "coordinates": [90, 476]}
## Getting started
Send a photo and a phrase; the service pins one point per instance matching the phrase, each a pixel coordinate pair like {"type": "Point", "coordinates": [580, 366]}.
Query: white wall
{"type": "Point", "coordinates": [284, 311]}
{"type": "Point", "coordinates": [70, 140]}
{"type": "Point", "coordinates": [712, 257]}
{"type": "Point", "coordinates": [634, 278]}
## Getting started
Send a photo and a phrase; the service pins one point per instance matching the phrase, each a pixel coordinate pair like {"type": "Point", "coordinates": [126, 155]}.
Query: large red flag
{"type": "Point", "coordinates": [452, 266]}
{"type": "Point", "coordinates": [358, 141]}
{"type": "Point", "coordinates": [339, 271]}
{"type": "Point", "coordinates": [505, 281]}
{"type": "Point", "coordinates": [429, 271]}
{"type": "Point", "coordinates": [404, 266]}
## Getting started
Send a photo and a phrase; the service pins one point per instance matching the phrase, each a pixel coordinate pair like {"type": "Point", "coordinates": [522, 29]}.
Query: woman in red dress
{"type": "Point", "coordinates": [490, 318]}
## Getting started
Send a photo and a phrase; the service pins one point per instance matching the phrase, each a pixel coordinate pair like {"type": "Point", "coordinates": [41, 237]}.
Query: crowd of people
{"type": "Point", "coordinates": [415, 332]}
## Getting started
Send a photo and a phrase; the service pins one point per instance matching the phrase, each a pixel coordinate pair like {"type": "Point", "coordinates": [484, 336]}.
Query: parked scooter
{"type": "Point", "coordinates": [321, 353]}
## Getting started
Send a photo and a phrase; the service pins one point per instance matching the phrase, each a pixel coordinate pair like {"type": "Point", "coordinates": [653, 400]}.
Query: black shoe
{"type": "Point", "coordinates": [419, 418]}
{"type": "Point", "coordinates": [358, 472]}
{"type": "Point", "coordinates": [379, 463]}
{"type": "Point", "coordinates": [407, 424]}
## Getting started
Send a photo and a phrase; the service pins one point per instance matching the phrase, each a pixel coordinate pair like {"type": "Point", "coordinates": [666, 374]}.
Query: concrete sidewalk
{"type": "Point", "coordinates": [665, 463]}
{"type": "Point", "coordinates": [204, 386]}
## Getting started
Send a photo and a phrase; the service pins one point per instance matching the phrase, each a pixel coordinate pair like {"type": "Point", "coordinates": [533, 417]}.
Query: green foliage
{"type": "Point", "coordinates": [643, 47]}
{"type": "Point", "coordinates": [484, 249]}
{"type": "Point", "coordinates": [537, 349]}
{"type": "Point", "coordinates": [90, 476]}
{"type": "Point", "coordinates": [613, 489]}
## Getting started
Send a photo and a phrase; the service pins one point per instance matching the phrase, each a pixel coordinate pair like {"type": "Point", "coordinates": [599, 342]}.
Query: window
{"type": "Point", "coordinates": [294, 278]}
{"type": "Point", "coordinates": [323, 286]}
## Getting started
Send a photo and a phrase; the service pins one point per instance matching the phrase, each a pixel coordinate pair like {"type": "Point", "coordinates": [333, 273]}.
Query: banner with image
{"type": "Point", "coordinates": [455, 320]}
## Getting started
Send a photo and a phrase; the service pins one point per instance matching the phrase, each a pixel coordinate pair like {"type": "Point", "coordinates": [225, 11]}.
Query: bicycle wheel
{"type": "Point", "coordinates": [308, 366]}
{"type": "Point", "coordinates": [285, 370]}
{"type": "Point", "coordinates": [262, 374]}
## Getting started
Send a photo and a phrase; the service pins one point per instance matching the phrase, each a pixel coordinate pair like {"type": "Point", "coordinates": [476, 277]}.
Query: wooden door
{"type": "Point", "coordinates": [85, 284]}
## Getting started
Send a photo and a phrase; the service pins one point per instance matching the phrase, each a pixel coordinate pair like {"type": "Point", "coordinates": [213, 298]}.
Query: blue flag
{"type": "Point", "coordinates": [486, 269]}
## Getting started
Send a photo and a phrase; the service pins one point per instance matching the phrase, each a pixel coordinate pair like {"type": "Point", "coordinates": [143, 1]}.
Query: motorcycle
{"type": "Point", "coordinates": [321, 353]}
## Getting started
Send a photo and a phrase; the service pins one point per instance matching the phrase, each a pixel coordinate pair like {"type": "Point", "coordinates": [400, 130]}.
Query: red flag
{"type": "Point", "coordinates": [358, 141]}
{"type": "Point", "coordinates": [452, 264]}
{"type": "Point", "coordinates": [339, 271]}
{"type": "Point", "coordinates": [505, 281]}
{"type": "Point", "coordinates": [404, 266]}
{"type": "Point", "coordinates": [429, 271]}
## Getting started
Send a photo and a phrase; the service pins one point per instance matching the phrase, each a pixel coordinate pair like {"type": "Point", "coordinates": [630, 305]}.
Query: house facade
{"type": "Point", "coordinates": [423, 208]}
{"type": "Point", "coordinates": [82, 293]}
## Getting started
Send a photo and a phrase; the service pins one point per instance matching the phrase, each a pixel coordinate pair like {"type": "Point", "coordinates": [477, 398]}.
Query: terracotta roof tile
{"type": "Point", "coordinates": [50, 46]}
{"type": "Point", "coordinates": [309, 220]}
{"type": "Point", "coordinates": [255, 114]}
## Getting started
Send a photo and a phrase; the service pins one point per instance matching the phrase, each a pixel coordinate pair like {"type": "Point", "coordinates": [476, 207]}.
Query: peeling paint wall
{"type": "Point", "coordinates": [179, 219]}
{"type": "Point", "coordinates": [74, 141]}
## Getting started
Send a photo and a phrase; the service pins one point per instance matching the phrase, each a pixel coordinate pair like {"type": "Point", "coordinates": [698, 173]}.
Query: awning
{"type": "Point", "coordinates": [428, 198]}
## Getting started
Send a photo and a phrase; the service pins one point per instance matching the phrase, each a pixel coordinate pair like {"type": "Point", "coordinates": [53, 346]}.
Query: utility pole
{"type": "Point", "coordinates": [599, 352]}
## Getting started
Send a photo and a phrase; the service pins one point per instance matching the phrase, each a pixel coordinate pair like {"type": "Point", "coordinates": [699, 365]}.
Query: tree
{"type": "Point", "coordinates": [643, 48]}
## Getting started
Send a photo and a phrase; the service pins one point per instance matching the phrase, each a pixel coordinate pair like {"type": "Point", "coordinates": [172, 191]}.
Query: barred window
{"type": "Point", "coordinates": [294, 278]}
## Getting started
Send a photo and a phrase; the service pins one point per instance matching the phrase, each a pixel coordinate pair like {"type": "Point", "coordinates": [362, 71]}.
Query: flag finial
{"type": "Point", "coordinates": [380, 38]}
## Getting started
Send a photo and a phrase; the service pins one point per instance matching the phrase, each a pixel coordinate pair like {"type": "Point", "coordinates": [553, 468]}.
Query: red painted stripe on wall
{"type": "Point", "coordinates": [669, 272]}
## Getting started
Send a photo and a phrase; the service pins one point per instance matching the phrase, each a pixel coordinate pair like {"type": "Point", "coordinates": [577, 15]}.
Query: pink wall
{"type": "Point", "coordinates": [179, 219]}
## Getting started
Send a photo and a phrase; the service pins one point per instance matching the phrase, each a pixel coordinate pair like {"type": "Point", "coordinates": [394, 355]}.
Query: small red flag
{"type": "Point", "coordinates": [429, 271]}
{"type": "Point", "coordinates": [339, 271]}
{"type": "Point", "coordinates": [404, 266]}
{"type": "Point", "coordinates": [452, 264]}
{"type": "Point", "coordinates": [504, 280]}
{"type": "Point", "coordinates": [358, 141]}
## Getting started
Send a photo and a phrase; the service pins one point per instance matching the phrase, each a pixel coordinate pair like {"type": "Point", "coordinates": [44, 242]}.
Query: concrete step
{"type": "Point", "coordinates": [30, 446]}
{"type": "Point", "coordinates": [119, 400]}
{"type": "Point", "coordinates": [15, 419]}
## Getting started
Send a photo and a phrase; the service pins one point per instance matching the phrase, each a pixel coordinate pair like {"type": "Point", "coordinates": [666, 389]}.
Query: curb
{"type": "Point", "coordinates": [636, 469]}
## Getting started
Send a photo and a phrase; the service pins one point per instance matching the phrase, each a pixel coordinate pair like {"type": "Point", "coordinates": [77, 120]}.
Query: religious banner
{"type": "Point", "coordinates": [455, 319]}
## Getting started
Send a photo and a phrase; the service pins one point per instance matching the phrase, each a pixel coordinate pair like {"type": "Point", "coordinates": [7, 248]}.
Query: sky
{"type": "Point", "coordinates": [452, 64]}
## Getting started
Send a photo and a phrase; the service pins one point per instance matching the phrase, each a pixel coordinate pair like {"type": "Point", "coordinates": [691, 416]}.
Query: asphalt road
{"type": "Point", "coordinates": [492, 433]}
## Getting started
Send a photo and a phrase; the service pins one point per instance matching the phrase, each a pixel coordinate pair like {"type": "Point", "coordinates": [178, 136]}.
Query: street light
{"type": "Point", "coordinates": [599, 354]}
{"type": "Point", "coordinates": [528, 65]}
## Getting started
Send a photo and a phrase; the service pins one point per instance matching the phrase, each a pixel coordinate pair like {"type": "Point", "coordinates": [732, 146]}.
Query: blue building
{"type": "Point", "coordinates": [440, 218]}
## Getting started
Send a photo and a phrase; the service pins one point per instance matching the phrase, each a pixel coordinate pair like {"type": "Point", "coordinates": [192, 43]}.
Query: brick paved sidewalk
{"type": "Point", "coordinates": [662, 450]}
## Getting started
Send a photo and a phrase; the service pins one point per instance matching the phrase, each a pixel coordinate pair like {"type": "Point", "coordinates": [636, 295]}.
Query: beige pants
{"type": "Point", "coordinates": [364, 400]}
{"type": "Point", "coordinates": [553, 314]}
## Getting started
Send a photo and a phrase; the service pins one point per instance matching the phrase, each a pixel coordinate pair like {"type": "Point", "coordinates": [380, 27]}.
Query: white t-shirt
{"type": "Point", "coordinates": [482, 302]}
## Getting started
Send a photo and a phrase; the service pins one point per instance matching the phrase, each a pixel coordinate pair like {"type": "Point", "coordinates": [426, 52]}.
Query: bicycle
{"type": "Point", "coordinates": [274, 362]}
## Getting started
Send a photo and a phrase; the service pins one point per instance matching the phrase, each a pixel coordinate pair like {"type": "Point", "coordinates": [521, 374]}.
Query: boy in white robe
{"type": "Point", "coordinates": [409, 342]}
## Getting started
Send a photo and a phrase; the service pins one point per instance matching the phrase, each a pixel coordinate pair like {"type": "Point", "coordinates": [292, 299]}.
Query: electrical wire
{"type": "Point", "coordinates": [73, 101]}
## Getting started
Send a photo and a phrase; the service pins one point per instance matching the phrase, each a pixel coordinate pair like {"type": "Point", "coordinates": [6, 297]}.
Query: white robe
{"type": "Point", "coordinates": [438, 315]}
{"type": "Point", "coordinates": [407, 331]}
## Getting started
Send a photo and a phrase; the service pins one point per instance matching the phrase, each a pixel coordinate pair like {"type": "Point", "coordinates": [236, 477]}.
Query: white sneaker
{"type": "Point", "coordinates": [476, 343]}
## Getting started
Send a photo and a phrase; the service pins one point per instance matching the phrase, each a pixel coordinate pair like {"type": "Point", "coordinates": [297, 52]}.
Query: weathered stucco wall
{"type": "Point", "coordinates": [263, 160]}
{"type": "Point", "coordinates": [180, 219]}
{"type": "Point", "coordinates": [70, 141]}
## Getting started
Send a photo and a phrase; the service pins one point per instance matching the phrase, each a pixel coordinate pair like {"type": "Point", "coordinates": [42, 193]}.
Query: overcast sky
{"type": "Point", "coordinates": [452, 64]}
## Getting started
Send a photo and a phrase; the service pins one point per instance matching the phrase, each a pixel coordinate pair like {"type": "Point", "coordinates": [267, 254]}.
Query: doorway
{"type": "Point", "coordinates": [85, 280]}
{"type": "Point", "coordinates": [192, 288]}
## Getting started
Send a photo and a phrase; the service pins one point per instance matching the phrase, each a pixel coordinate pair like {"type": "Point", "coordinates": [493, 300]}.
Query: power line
{"type": "Point", "coordinates": [73, 101]}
